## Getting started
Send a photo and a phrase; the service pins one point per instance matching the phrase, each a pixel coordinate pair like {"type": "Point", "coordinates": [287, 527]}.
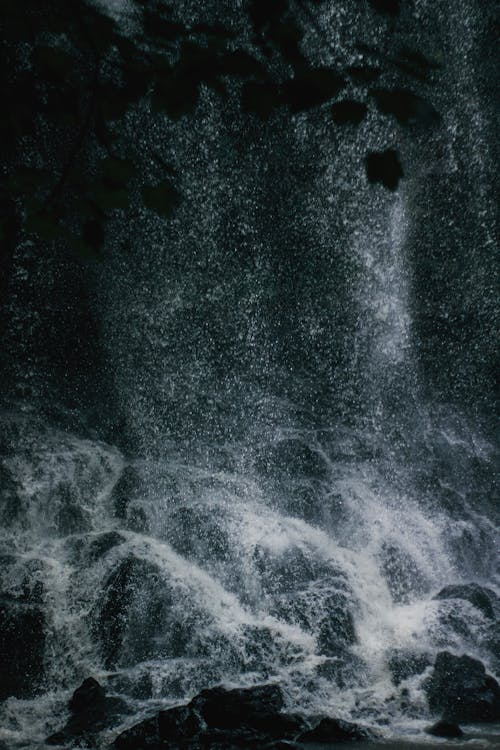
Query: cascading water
{"type": "Point", "coordinates": [290, 494]}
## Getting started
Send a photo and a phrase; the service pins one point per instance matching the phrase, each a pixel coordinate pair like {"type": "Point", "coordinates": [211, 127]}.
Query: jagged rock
{"type": "Point", "coordinates": [223, 708]}
{"type": "Point", "coordinates": [480, 597]}
{"type": "Point", "coordinates": [336, 629]}
{"type": "Point", "coordinates": [89, 694]}
{"type": "Point", "coordinates": [90, 712]}
{"type": "Point", "coordinates": [460, 689]}
{"type": "Point", "coordinates": [22, 644]}
{"type": "Point", "coordinates": [135, 617]}
{"type": "Point", "coordinates": [445, 729]}
{"type": "Point", "coordinates": [140, 737]}
{"type": "Point", "coordinates": [218, 717]}
{"type": "Point", "coordinates": [197, 532]}
{"type": "Point", "coordinates": [179, 723]}
{"type": "Point", "coordinates": [126, 488]}
{"type": "Point", "coordinates": [335, 730]}
{"type": "Point", "coordinates": [404, 664]}
{"type": "Point", "coordinates": [71, 518]}
{"type": "Point", "coordinates": [104, 543]}
{"type": "Point", "coordinates": [402, 574]}
{"type": "Point", "coordinates": [248, 712]}
{"type": "Point", "coordinates": [289, 570]}
{"type": "Point", "coordinates": [10, 504]}
{"type": "Point", "coordinates": [292, 458]}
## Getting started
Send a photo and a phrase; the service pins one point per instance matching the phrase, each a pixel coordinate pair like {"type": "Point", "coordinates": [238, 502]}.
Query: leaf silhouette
{"type": "Point", "coordinates": [348, 112]}
{"type": "Point", "coordinates": [390, 7]}
{"type": "Point", "coordinates": [405, 106]}
{"type": "Point", "coordinates": [384, 167]}
{"type": "Point", "coordinates": [161, 198]}
{"type": "Point", "coordinates": [311, 88]}
{"type": "Point", "coordinates": [260, 99]}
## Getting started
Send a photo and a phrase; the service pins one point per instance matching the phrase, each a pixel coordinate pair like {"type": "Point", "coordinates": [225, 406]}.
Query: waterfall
{"type": "Point", "coordinates": [293, 463]}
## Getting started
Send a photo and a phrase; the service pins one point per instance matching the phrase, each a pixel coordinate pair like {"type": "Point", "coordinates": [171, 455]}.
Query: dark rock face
{"type": "Point", "coordinates": [143, 735]}
{"type": "Point", "coordinates": [335, 730]}
{"type": "Point", "coordinates": [91, 712]}
{"type": "Point", "coordinates": [480, 597]}
{"type": "Point", "coordinates": [10, 505]}
{"type": "Point", "coordinates": [230, 709]}
{"type": "Point", "coordinates": [445, 729]}
{"type": "Point", "coordinates": [218, 718]}
{"type": "Point", "coordinates": [126, 488]}
{"type": "Point", "coordinates": [103, 544]}
{"type": "Point", "coordinates": [22, 644]}
{"type": "Point", "coordinates": [405, 664]}
{"type": "Point", "coordinates": [179, 722]}
{"type": "Point", "coordinates": [460, 689]}
{"type": "Point", "coordinates": [132, 615]}
{"type": "Point", "coordinates": [401, 573]}
{"type": "Point", "coordinates": [336, 630]}
{"type": "Point", "coordinates": [292, 458]}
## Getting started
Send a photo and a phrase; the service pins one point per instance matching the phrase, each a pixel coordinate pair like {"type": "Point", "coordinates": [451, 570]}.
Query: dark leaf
{"type": "Point", "coordinates": [405, 106]}
{"type": "Point", "coordinates": [384, 167]}
{"type": "Point", "coordinates": [216, 30]}
{"type": "Point", "coordinates": [45, 225]}
{"type": "Point", "coordinates": [62, 105]}
{"type": "Point", "coordinates": [53, 62]}
{"type": "Point", "coordinates": [265, 13]}
{"type": "Point", "coordinates": [240, 63]}
{"type": "Point", "coordinates": [177, 96]}
{"type": "Point", "coordinates": [415, 57]}
{"type": "Point", "coordinates": [93, 233]}
{"type": "Point", "coordinates": [108, 197]}
{"type": "Point", "coordinates": [157, 26]}
{"type": "Point", "coordinates": [287, 36]}
{"type": "Point", "coordinates": [390, 7]}
{"type": "Point", "coordinates": [84, 250]}
{"type": "Point", "coordinates": [29, 178]}
{"type": "Point", "coordinates": [102, 30]}
{"type": "Point", "coordinates": [363, 74]}
{"type": "Point", "coordinates": [198, 62]}
{"type": "Point", "coordinates": [260, 99]}
{"type": "Point", "coordinates": [161, 198]}
{"type": "Point", "coordinates": [312, 88]}
{"type": "Point", "coordinates": [114, 101]}
{"type": "Point", "coordinates": [348, 112]}
{"type": "Point", "coordinates": [118, 171]}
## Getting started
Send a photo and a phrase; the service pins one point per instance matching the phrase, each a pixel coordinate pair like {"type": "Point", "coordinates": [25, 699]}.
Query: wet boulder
{"type": "Point", "coordinates": [336, 627]}
{"type": "Point", "coordinates": [403, 577]}
{"type": "Point", "coordinates": [103, 543]}
{"type": "Point", "coordinates": [404, 664]}
{"type": "Point", "coordinates": [142, 736]}
{"type": "Point", "coordinates": [130, 612]}
{"type": "Point", "coordinates": [22, 646]}
{"type": "Point", "coordinates": [335, 730]}
{"type": "Point", "coordinates": [460, 689]}
{"type": "Point", "coordinates": [247, 712]}
{"type": "Point", "coordinates": [90, 712]}
{"type": "Point", "coordinates": [482, 598]}
{"type": "Point", "coordinates": [10, 502]}
{"type": "Point", "coordinates": [289, 570]}
{"type": "Point", "coordinates": [179, 723]}
{"type": "Point", "coordinates": [127, 488]}
{"type": "Point", "coordinates": [142, 614]}
{"type": "Point", "coordinates": [198, 532]}
{"type": "Point", "coordinates": [292, 458]}
{"type": "Point", "coordinates": [218, 717]}
{"type": "Point", "coordinates": [70, 517]}
{"type": "Point", "coordinates": [445, 729]}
